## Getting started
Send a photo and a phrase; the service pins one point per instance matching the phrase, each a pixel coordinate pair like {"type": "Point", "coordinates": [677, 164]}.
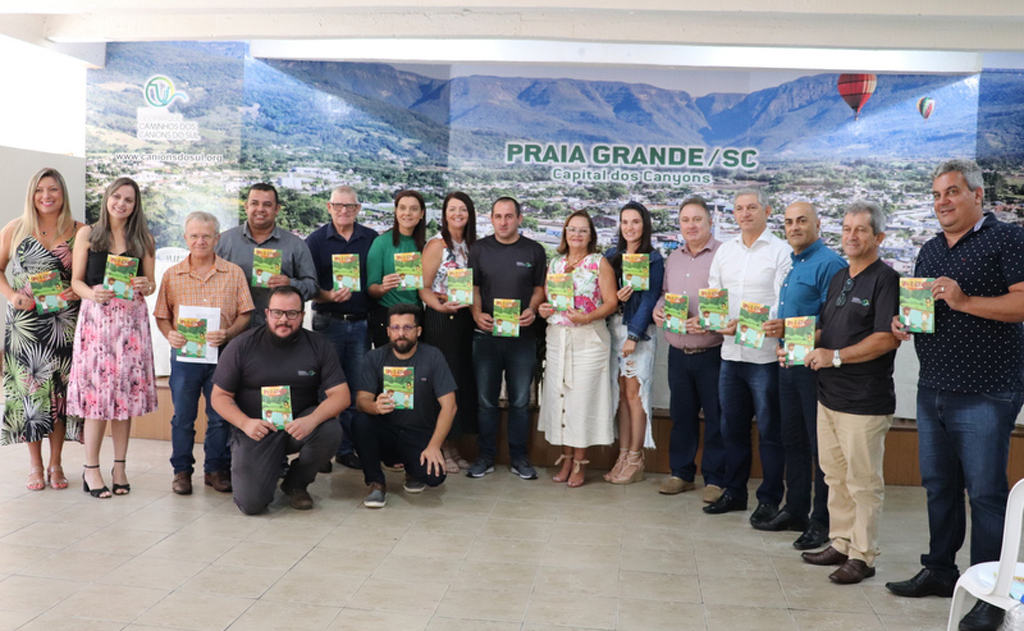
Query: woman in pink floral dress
{"type": "Point", "coordinates": [112, 371]}
{"type": "Point", "coordinates": [576, 402]}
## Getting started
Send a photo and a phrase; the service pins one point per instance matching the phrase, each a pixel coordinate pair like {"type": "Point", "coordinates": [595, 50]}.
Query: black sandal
{"type": "Point", "coordinates": [120, 489]}
{"type": "Point", "coordinates": [103, 493]}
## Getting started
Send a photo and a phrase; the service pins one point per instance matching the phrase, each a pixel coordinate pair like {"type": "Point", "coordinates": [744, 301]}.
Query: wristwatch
{"type": "Point", "coordinates": [836, 361]}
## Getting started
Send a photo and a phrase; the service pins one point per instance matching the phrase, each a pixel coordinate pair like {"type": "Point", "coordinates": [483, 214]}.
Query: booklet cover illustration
{"type": "Point", "coordinates": [409, 266]}
{"type": "Point", "coordinates": [560, 291]}
{"type": "Point", "coordinates": [46, 289]}
{"type": "Point", "coordinates": [748, 329]}
{"type": "Point", "coordinates": [713, 307]}
{"type": "Point", "coordinates": [194, 330]}
{"type": "Point", "coordinates": [917, 307]}
{"type": "Point", "coordinates": [636, 271]}
{"type": "Point", "coordinates": [265, 263]}
{"type": "Point", "coordinates": [345, 268]}
{"type": "Point", "coordinates": [118, 276]}
{"type": "Point", "coordinates": [676, 308]}
{"type": "Point", "coordinates": [799, 339]}
{"type": "Point", "coordinates": [399, 382]}
{"type": "Point", "coordinates": [506, 317]}
{"type": "Point", "coordinates": [277, 405]}
{"type": "Point", "coordinates": [460, 286]}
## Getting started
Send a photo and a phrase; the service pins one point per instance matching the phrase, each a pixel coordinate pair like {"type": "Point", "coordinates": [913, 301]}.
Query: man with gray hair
{"type": "Point", "coordinates": [970, 382]}
{"type": "Point", "coordinates": [203, 279]}
{"type": "Point", "coordinates": [854, 357]}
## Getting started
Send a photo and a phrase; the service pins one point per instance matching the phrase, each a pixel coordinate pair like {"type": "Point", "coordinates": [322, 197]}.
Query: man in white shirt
{"type": "Point", "coordinates": [752, 267]}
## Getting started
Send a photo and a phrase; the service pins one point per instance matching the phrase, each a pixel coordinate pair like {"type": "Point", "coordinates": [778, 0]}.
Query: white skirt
{"type": "Point", "coordinates": [639, 365]}
{"type": "Point", "coordinates": [576, 401]}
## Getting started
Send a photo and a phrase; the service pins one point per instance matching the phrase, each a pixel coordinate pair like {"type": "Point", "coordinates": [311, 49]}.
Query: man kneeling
{"type": "Point", "coordinates": [408, 395]}
{"type": "Point", "coordinates": [277, 354]}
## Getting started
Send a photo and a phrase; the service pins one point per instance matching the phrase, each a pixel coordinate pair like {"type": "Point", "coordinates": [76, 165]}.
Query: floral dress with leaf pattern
{"type": "Point", "coordinates": [37, 351]}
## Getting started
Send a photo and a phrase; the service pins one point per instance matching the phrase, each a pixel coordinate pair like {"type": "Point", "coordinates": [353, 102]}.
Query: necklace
{"type": "Point", "coordinates": [570, 267]}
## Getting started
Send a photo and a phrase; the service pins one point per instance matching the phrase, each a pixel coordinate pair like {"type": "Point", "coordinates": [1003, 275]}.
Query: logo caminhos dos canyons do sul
{"type": "Point", "coordinates": [159, 92]}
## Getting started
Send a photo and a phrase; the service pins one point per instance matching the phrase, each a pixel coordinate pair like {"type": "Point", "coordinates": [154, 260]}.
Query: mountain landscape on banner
{"type": "Point", "coordinates": [801, 119]}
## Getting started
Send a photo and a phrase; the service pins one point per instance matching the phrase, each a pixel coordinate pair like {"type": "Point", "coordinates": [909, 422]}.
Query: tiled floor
{"type": "Point", "coordinates": [496, 554]}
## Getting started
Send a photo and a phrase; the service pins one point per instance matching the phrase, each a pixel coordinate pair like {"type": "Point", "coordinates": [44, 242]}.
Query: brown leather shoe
{"type": "Point", "coordinates": [182, 484]}
{"type": "Point", "coordinates": [219, 480]}
{"type": "Point", "coordinates": [853, 571]}
{"type": "Point", "coordinates": [300, 499]}
{"type": "Point", "coordinates": [828, 556]}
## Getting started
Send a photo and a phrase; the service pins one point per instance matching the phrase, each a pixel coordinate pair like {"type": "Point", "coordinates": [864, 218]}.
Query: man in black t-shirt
{"type": "Point", "coordinates": [856, 396]}
{"type": "Point", "coordinates": [407, 395]}
{"type": "Point", "coordinates": [510, 266]}
{"type": "Point", "coordinates": [279, 353]}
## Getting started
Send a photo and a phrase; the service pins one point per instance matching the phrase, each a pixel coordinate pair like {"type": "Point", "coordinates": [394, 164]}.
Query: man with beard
{"type": "Point", "coordinates": [407, 395]}
{"type": "Point", "coordinates": [279, 353]}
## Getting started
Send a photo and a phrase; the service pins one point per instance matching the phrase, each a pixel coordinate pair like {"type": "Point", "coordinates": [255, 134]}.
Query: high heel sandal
{"type": "Point", "coordinates": [617, 468]}
{"type": "Point", "coordinates": [36, 481]}
{"type": "Point", "coordinates": [102, 493]}
{"type": "Point", "coordinates": [120, 489]}
{"type": "Point", "coordinates": [56, 479]}
{"type": "Point", "coordinates": [578, 469]}
{"type": "Point", "coordinates": [559, 478]}
{"type": "Point", "coordinates": [633, 471]}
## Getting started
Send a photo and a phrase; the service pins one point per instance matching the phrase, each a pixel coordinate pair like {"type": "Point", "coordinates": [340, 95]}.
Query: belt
{"type": "Point", "coordinates": [695, 351]}
{"type": "Point", "coordinates": [348, 317]}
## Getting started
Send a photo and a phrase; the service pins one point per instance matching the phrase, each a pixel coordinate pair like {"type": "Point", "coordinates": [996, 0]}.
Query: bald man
{"type": "Point", "coordinates": [803, 294]}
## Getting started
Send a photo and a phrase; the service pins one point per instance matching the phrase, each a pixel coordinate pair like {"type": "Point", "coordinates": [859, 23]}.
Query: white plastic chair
{"type": "Point", "coordinates": [992, 581]}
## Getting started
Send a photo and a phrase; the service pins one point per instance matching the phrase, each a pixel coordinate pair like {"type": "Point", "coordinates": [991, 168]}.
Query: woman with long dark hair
{"type": "Point", "coordinates": [112, 370]}
{"type": "Point", "coordinates": [448, 324]}
{"type": "Point", "coordinates": [407, 234]}
{"type": "Point", "coordinates": [38, 341]}
{"type": "Point", "coordinates": [633, 344]}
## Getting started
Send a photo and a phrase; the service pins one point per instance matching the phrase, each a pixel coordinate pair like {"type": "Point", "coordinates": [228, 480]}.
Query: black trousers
{"type": "Point", "coordinates": [376, 440]}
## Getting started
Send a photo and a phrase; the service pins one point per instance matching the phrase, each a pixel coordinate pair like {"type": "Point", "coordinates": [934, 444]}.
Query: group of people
{"type": "Point", "coordinates": [821, 425]}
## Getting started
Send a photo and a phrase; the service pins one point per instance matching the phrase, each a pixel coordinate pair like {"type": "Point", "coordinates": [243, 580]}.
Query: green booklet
{"type": "Point", "coordinates": [409, 266]}
{"type": "Point", "coordinates": [399, 383]}
{"type": "Point", "coordinates": [118, 276]}
{"type": "Point", "coordinates": [799, 339]}
{"type": "Point", "coordinates": [917, 307]}
{"type": "Point", "coordinates": [636, 271]}
{"type": "Point", "coordinates": [460, 286]}
{"type": "Point", "coordinates": [748, 329]}
{"type": "Point", "coordinates": [676, 308]}
{"type": "Point", "coordinates": [277, 405]}
{"type": "Point", "coordinates": [194, 330]}
{"type": "Point", "coordinates": [713, 307]}
{"type": "Point", "coordinates": [265, 263]}
{"type": "Point", "coordinates": [345, 268]}
{"type": "Point", "coordinates": [560, 291]}
{"type": "Point", "coordinates": [506, 317]}
{"type": "Point", "coordinates": [47, 289]}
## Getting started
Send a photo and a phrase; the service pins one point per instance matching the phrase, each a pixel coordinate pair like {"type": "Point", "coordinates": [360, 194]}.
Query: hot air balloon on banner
{"type": "Point", "coordinates": [856, 89]}
{"type": "Point", "coordinates": [925, 106]}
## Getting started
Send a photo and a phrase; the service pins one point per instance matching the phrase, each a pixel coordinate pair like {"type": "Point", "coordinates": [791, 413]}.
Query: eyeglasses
{"type": "Point", "coordinates": [577, 230]}
{"type": "Point", "coordinates": [349, 208]}
{"type": "Point", "coordinates": [402, 328]}
{"type": "Point", "coordinates": [847, 286]}
{"type": "Point", "coordinates": [291, 314]}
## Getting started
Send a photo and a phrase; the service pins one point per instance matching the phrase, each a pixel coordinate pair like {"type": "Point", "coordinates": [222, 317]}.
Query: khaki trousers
{"type": "Point", "coordinates": [851, 449]}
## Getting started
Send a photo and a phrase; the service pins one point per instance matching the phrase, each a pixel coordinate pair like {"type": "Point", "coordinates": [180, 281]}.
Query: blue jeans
{"type": "Point", "coordinates": [693, 384]}
{"type": "Point", "coordinates": [964, 445]}
{"type": "Point", "coordinates": [187, 382]}
{"type": "Point", "coordinates": [798, 407]}
{"type": "Point", "coordinates": [746, 390]}
{"type": "Point", "coordinates": [351, 341]}
{"type": "Point", "coordinates": [516, 357]}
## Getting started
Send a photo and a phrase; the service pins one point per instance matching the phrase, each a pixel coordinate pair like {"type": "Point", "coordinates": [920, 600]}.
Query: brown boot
{"type": "Point", "coordinates": [182, 484]}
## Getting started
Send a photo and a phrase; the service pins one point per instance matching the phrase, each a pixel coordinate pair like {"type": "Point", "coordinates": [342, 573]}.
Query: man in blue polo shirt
{"type": "Point", "coordinates": [803, 294]}
{"type": "Point", "coordinates": [340, 313]}
{"type": "Point", "coordinates": [970, 382]}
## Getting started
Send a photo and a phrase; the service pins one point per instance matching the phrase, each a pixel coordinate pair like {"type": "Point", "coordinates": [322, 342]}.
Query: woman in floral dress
{"type": "Point", "coordinates": [112, 371]}
{"type": "Point", "coordinates": [37, 346]}
{"type": "Point", "coordinates": [576, 403]}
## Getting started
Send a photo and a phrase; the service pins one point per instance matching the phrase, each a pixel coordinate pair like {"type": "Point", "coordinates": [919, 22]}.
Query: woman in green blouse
{"type": "Point", "coordinates": [408, 234]}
